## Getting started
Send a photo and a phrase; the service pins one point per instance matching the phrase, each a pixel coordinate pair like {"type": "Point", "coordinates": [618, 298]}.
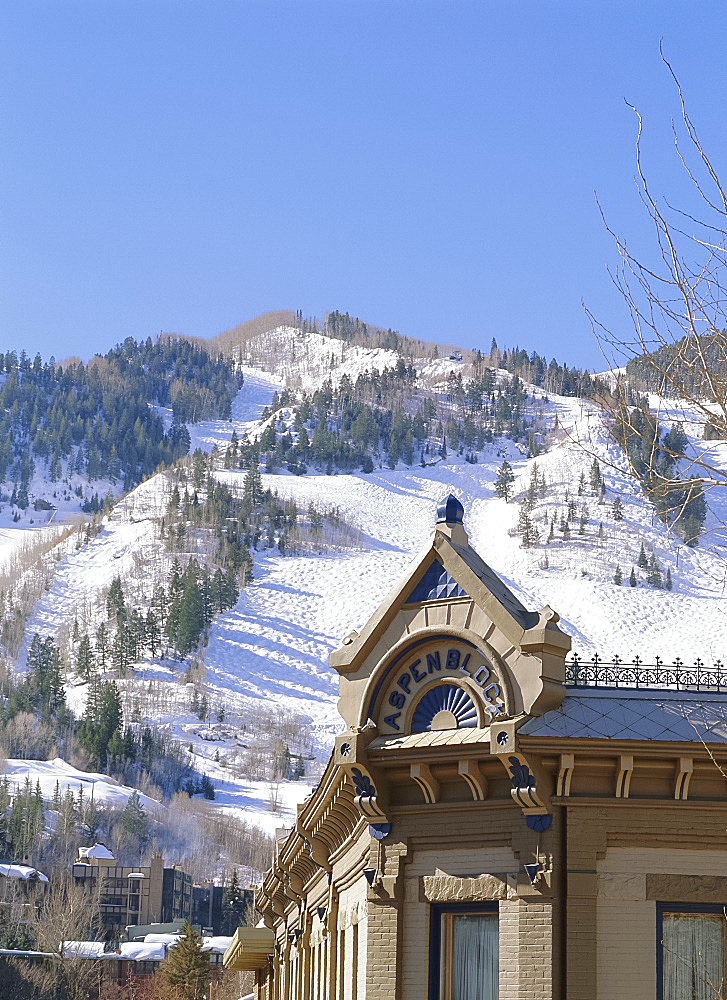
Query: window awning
{"type": "Point", "coordinates": [249, 949]}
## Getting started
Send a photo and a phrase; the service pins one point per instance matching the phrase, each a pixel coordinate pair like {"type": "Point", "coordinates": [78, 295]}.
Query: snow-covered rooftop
{"type": "Point", "coordinates": [97, 851]}
{"type": "Point", "coordinates": [142, 951]}
{"type": "Point", "coordinates": [84, 949]}
{"type": "Point", "coordinates": [218, 945]}
{"type": "Point", "coordinates": [22, 872]}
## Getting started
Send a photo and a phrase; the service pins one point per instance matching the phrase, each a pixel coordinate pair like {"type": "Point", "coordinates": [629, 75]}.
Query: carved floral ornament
{"type": "Point", "coordinates": [445, 683]}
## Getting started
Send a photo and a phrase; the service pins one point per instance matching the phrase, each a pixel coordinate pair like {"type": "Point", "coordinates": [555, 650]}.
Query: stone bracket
{"type": "Point", "coordinates": [350, 754]}
{"type": "Point", "coordinates": [565, 774]}
{"type": "Point", "coordinates": [684, 770]}
{"type": "Point", "coordinates": [523, 790]}
{"type": "Point", "coordinates": [365, 795]}
{"type": "Point", "coordinates": [316, 850]}
{"type": "Point", "coordinates": [504, 746]}
{"type": "Point", "coordinates": [623, 780]}
{"type": "Point", "coordinates": [421, 773]}
{"type": "Point", "coordinates": [470, 771]}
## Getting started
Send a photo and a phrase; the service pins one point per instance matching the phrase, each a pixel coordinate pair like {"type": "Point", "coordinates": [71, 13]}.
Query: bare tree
{"type": "Point", "coordinates": [69, 914]}
{"type": "Point", "coordinates": [677, 344]}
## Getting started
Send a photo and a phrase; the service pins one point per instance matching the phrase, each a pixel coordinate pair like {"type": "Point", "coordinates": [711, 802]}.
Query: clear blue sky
{"type": "Point", "coordinates": [182, 165]}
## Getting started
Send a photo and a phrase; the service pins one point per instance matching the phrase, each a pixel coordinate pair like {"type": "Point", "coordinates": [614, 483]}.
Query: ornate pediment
{"type": "Point", "coordinates": [450, 643]}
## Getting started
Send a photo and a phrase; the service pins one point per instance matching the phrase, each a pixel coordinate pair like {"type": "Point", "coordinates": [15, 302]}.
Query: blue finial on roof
{"type": "Point", "coordinates": [450, 511]}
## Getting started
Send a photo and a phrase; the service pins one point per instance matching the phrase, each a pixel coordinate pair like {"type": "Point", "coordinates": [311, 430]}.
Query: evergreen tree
{"type": "Point", "coordinates": [618, 576]}
{"type": "Point", "coordinates": [504, 480]}
{"type": "Point", "coordinates": [115, 748]}
{"type": "Point", "coordinates": [102, 644]}
{"type": "Point", "coordinates": [84, 658]}
{"type": "Point", "coordinates": [617, 510]}
{"type": "Point", "coordinates": [234, 906]}
{"type": "Point", "coordinates": [595, 476]}
{"type": "Point", "coordinates": [632, 577]}
{"type": "Point", "coordinates": [191, 617]}
{"type": "Point", "coordinates": [5, 804]}
{"type": "Point", "coordinates": [642, 562]}
{"type": "Point", "coordinates": [668, 579]}
{"type": "Point", "coordinates": [151, 631]}
{"type": "Point", "coordinates": [134, 821]}
{"type": "Point", "coordinates": [186, 968]}
{"type": "Point", "coordinates": [115, 603]}
{"type": "Point", "coordinates": [252, 492]}
{"type": "Point", "coordinates": [45, 684]}
{"type": "Point", "coordinates": [692, 513]}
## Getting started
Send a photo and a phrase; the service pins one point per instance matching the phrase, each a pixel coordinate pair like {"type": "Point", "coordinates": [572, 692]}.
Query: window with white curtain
{"type": "Point", "coordinates": [692, 952]}
{"type": "Point", "coordinates": [464, 944]}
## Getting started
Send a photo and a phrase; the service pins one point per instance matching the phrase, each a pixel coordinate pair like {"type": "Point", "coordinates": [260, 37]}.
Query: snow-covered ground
{"type": "Point", "coordinates": [269, 653]}
{"type": "Point", "coordinates": [58, 773]}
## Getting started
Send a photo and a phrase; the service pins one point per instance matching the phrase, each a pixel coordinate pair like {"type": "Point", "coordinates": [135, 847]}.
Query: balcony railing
{"type": "Point", "coordinates": [618, 673]}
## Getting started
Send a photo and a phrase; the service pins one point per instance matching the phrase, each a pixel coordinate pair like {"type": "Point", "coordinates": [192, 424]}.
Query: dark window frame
{"type": "Point", "coordinates": [661, 909]}
{"type": "Point", "coordinates": [436, 912]}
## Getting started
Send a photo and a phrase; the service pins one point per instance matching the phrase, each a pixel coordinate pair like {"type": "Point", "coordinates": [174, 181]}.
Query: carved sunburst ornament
{"type": "Point", "coordinates": [445, 706]}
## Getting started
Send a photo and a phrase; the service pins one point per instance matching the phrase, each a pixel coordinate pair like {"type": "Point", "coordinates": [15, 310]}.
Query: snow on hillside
{"type": "Point", "coordinates": [122, 547]}
{"type": "Point", "coordinates": [13, 540]}
{"type": "Point", "coordinates": [250, 800]}
{"type": "Point", "coordinates": [247, 408]}
{"type": "Point", "coordinates": [268, 654]}
{"type": "Point", "coordinates": [304, 359]}
{"type": "Point", "coordinates": [272, 647]}
{"type": "Point", "coordinates": [51, 773]}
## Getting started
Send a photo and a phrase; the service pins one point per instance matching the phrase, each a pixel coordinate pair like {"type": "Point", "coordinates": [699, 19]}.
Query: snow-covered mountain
{"type": "Point", "coordinates": [268, 654]}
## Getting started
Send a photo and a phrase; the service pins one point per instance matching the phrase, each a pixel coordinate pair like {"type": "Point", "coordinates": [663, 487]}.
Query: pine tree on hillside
{"type": "Point", "coordinates": [134, 821]}
{"type": "Point", "coordinates": [191, 617]}
{"type": "Point", "coordinates": [595, 476]}
{"type": "Point", "coordinates": [45, 684]}
{"type": "Point", "coordinates": [617, 510]}
{"type": "Point", "coordinates": [632, 577]}
{"type": "Point", "coordinates": [618, 576]}
{"type": "Point", "coordinates": [151, 632]}
{"type": "Point", "coordinates": [252, 491]}
{"type": "Point", "coordinates": [84, 658]}
{"type": "Point", "coordinates": [186, 969]}
{"type": "Point", "coordinates": [503, 482]}
{"type": "Point", "coordinates": [692, 513]}
{"type": "Point", "coordinates": [102, 644]}
{"type": "Point", "coordinates": [642, 562]}
{"type": "Point", "coordinates": [115, 603]}
{"type": "Point", "coordinates": [654, 577]}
